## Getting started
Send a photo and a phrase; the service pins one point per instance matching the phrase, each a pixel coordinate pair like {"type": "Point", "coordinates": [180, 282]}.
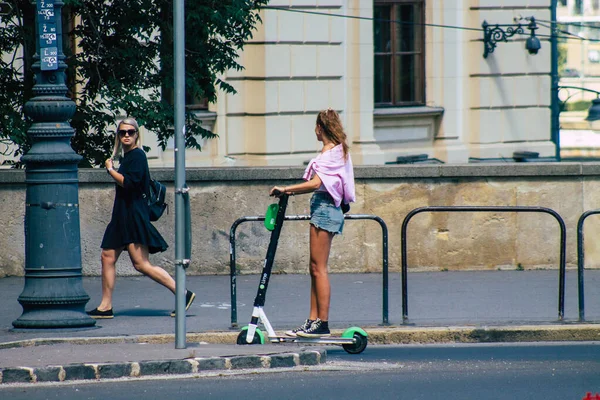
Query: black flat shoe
{"type": "Point", "coordinates": [189, 299]}
{"type": "Point", "coordinates": [97, 314]}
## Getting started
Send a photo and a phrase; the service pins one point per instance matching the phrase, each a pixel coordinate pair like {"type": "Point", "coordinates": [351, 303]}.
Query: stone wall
{"type": "Point", "coordinates": [436, 241]}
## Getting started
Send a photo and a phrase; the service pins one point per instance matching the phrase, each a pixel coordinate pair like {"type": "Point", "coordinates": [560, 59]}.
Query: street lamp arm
{"type": "Point", "coordinates": [579, 88]}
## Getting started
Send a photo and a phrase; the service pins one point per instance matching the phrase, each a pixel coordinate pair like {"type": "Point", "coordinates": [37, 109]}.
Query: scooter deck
{"type": "Point", "coordinates": [317, 340]}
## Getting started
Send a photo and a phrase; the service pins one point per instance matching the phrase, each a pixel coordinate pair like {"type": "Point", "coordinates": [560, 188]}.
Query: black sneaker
{"type": "Point", "coordinates": [189, 299]}
{"type": "Point", "coordinates": [305, 325]}
{"type": "Point", "coordinates": [97, 314]}
{"type": "Point", "coordinates": [317, 329]}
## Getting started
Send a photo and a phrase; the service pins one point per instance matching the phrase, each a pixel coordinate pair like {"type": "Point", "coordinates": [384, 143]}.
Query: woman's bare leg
{"type": "Point", "coordinates": [109, 259]}
{"type": "Point", "coordinates": [139, 257]}
{"type": "Point", "coordinates": [320, 290]}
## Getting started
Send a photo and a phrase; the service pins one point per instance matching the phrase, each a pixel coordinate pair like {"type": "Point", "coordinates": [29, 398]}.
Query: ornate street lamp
{"type": "Point", "coordinates": [53, 295]}
{"type": "Point", "coordinates": [594, 110]}
{"type": "Point", "coordinates": [495, 33]}
{"type": "Point", "coordinates": [593, 116]}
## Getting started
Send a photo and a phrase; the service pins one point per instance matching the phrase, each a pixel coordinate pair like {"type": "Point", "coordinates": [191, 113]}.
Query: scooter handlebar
{"type": "Point", "coordinates": [278, 193]}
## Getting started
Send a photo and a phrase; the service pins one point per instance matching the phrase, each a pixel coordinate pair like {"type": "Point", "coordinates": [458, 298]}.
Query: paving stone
{"type": "Point", "coordinates": [112, 371]}
{"type": "Point", "coordinates": [154, 367]}
{"type": "Point", "coordinates": [180, 367]}
{"type": "Point", "coordinates": [47, 374]}
{"type": "Point", "coordinates": [16, 375]}
{"type": "Point", "coordinates": [246, 362]}
{"type": "Point", "coordinates": [166, 367]}
{"type": "Point", "coordinates": [283, 360]}
{"type": "Point", "coordinates": [312, 357]}
{"type": "Point", "coordinates": [209, 364]}
{"type": "Point", "coordinates": [79, 372]}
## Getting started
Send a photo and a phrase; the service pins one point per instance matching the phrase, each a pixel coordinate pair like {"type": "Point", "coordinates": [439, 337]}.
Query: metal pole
{"type": "Point", "coordinates": [581, 261]}
{"type": "Point", "coordinates": [581, 266]}
{"type": "Point", "coordinates": [180, 186]}
{"type": "Point", "coordinates": [53, 295]}
{"type": "Point", "coordinates": [554, 100]}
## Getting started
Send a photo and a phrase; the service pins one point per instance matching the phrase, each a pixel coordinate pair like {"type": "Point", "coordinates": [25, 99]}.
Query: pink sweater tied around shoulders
{"type": "Point", "coordinates": [336, 173]}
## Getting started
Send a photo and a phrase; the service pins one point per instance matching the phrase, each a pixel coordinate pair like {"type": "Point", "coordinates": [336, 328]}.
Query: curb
{"type": "Point", "coordinates": [189, 366]}
{"type": "Point", "coordinates": [490, 334]}
{"type": "Point", "coordinates": [377, 335]}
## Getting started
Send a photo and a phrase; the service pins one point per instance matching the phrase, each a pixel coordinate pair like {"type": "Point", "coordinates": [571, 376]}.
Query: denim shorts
{"type": "Point", "coordinates": [324, 214]}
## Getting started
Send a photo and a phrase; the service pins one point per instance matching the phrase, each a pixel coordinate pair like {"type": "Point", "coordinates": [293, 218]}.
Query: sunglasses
{"type": "Point", "coordinates": [126, 132]}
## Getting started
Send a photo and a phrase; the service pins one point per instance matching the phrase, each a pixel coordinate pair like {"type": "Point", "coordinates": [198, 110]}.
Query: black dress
{"type": "Point", "coordinates": [130, 222]}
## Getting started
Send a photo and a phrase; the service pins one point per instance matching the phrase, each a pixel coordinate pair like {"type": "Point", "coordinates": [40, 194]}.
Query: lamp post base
{"type": "Point", "coordinates": [53, 319]}
{"type": "Point", "coordinates": [57, 305]}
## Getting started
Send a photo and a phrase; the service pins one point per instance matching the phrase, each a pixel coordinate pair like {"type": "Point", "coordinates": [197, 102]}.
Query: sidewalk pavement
{"type": "Point", "coordinates": [139, 341]}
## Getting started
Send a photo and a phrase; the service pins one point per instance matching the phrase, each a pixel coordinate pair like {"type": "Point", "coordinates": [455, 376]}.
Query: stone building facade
{"type": "Point", "coordinates": [417, 87]}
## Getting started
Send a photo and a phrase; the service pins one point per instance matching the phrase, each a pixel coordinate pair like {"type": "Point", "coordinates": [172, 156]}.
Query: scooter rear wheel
{"type": "Point", "coordinates": [359, 346]}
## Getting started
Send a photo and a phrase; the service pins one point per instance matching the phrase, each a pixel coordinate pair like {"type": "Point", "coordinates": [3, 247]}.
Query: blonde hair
{"type": "Point", "coordinates": [118, 148]}
{"type": "Point", "coordinates": [331, 124]}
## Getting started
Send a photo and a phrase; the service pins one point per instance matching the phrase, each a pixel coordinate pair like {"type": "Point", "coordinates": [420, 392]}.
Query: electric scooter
{"type": "Point", "coordinates": [353, 340]}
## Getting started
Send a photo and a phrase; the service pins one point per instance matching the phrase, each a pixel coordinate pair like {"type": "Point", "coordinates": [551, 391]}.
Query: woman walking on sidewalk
{"type": "Point", "coordinates": [330, 176]}
{"type": "Point", "coordinates": [130, 228]}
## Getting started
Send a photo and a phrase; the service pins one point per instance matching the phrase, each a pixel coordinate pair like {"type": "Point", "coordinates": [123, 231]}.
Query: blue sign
{"type": "Point", "coordinates": [49, 58]}
{"type": "Point", "coordinates": [47, 34]}
{"type": "Point", "coordinates": [46, 21]}
{"type": "Point", "coordinates": [45, 9]}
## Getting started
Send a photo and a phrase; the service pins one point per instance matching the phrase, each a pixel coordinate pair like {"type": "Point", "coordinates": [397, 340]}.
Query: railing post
{"type": "Point", "coordinates": [563, 244]}
{"type": "Point", "coordinates": [233, 269]}
{"type": "Point", "coordinates": [581, 262]}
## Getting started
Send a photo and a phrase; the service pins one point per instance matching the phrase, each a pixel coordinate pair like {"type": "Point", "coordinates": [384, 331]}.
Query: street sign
{"type": "Point", "coordinates": [5, 8]}
{"type": "Point", "coordinates": [49, 58]}
{"type": "Point", "coordinates": [47, 35]}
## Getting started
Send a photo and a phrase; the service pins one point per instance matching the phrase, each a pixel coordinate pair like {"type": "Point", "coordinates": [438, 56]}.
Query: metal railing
{"type": "Point", "coordinates": [581, 261]}
{"type": "Point", "coordinates": [563, 242]}
{"type": "Point", "coordinates": [232, 259]}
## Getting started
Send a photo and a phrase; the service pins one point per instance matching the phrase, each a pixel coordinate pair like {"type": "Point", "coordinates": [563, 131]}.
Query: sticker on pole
{"type": "Point", "coordinates": [271, 216]}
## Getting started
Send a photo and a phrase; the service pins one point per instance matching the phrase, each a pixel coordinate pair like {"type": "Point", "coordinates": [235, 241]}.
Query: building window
{"type": "Point", "coordinates": [399, 53]}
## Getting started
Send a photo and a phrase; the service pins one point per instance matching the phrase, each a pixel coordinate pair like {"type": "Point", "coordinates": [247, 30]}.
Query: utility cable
{"type": "Point", "coordinates": [574, 35]}
{"type": "Point", "coordinates": [370, 18]}
{"type": "Point", "coordinates": [579, 24]}
{"type": "Point", "coordinates": [300, 11]}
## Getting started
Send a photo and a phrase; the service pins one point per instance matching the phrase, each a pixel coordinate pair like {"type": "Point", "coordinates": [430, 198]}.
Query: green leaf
{"type": "Point", "coordinates": [124, 64]}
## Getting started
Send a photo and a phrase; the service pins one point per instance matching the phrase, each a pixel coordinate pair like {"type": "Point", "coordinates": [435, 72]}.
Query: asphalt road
{"type": "Point", "coordinates": [451, 372]}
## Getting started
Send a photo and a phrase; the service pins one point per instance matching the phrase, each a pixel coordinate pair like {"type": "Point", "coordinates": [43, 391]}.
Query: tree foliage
{"type": "Point", "coordinates": [123, 65]}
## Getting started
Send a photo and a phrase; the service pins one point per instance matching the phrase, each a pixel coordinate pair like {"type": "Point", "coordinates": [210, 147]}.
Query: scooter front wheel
{"type": "Point", "coordinates": [258, 338]}
{"type": "Point", "coordinates": [359, 346]}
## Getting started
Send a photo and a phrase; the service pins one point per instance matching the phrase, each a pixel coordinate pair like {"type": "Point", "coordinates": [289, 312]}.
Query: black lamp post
{"type": "Point", "coordinates": [53, 295]}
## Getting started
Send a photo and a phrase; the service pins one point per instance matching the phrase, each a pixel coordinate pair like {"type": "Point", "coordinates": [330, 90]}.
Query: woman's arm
{"type": "Point", "coordinates": [300, 188]}
{"type": "Point", "coordinates": [133, 171]}
{"type": "Point", "coordinates": [119, 179]}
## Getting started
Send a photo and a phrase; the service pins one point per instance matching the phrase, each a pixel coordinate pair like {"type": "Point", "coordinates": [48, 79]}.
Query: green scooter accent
{"type": "Point", "coordinates": [349, 333]}
{"type": "Point", "coordinates": [270, 216]}
{"type": "Point", "coordinates": [259, 337]}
